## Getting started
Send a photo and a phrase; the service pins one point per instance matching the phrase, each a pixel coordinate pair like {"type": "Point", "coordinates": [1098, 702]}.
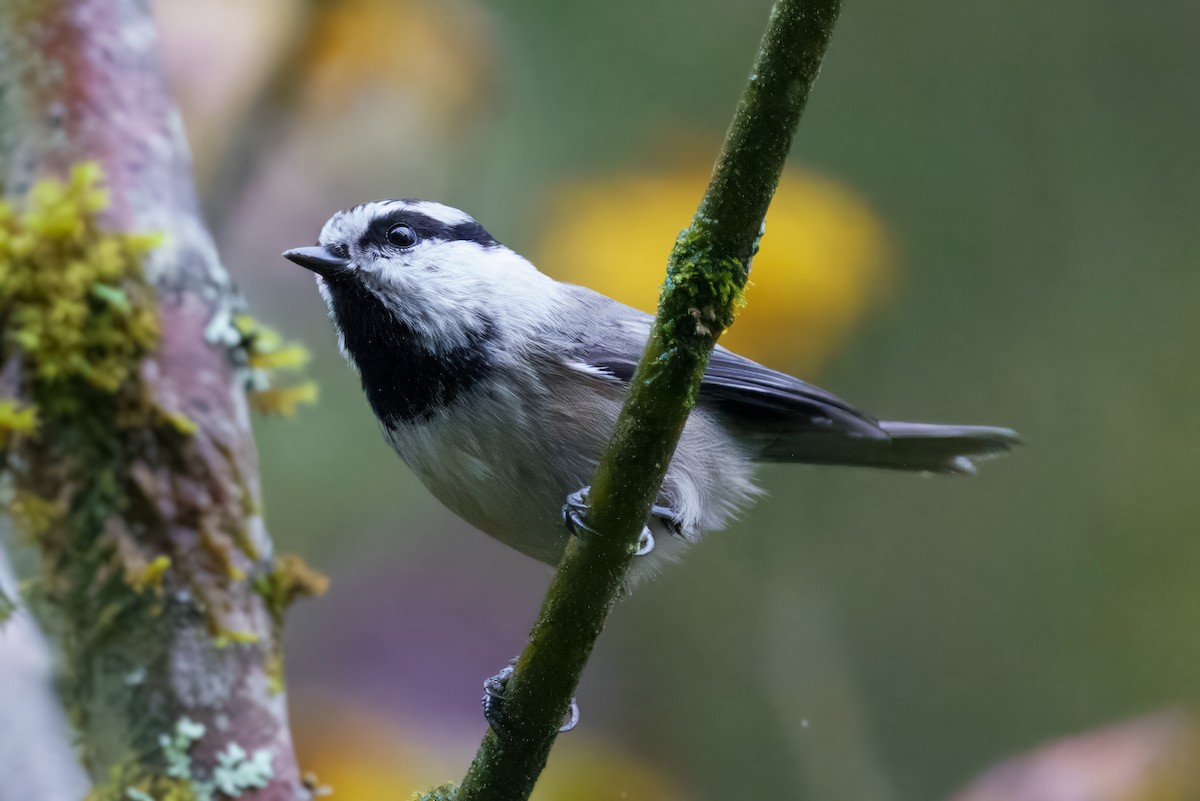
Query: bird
{"type": "Point", "coordinates": [500, 387]}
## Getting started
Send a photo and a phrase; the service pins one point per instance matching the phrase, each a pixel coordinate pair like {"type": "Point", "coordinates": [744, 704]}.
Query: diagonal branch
{"type": "Point", "coordinates": [705, 275]}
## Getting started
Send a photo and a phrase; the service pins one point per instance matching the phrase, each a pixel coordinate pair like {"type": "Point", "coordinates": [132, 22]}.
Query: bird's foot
{"type": "Point", "coordinates": [573, 512]}
{"type": "Point", "coordinates": [645, 542]}
{"type": "Point", "coordinates": [493, 703]}
{"type": "Point", "coordinates": [669, 518]}
{"type": "Point", "coordinates": [577, 506]}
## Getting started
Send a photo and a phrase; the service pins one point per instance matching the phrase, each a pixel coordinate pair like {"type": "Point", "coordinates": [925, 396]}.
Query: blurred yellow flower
{"type": "Point", "coordinates": [396, 68]}
{"type": "Point", "coordinates": [360, 755]}
{"type": "Point", "coordinates": [824, 262]}
{"type": "Point", "coordinates": [438, 52]}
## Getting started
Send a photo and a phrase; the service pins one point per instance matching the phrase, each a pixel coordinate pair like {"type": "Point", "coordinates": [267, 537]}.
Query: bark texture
{"type": "Point", "coordinates": [163, 595]}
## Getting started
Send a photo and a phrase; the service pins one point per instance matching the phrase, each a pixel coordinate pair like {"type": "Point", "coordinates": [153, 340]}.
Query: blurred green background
{"type": "Point", "coordinates": [994, 217]}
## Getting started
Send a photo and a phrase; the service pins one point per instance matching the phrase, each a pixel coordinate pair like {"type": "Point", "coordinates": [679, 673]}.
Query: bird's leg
{"type": "Point", "coordinates": [669, 518]}
{"type": "Point", "coordinates": [493, 703]}
{"type": "Point", "coordinates": [573, 511]}
{"type": "Point", "coordinates": [577, 506]}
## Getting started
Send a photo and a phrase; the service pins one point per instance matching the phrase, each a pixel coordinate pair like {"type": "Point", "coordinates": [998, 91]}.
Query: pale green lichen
{"type": "Point", "coordinates": [237, 771]}
{"type": "Point", "coordinates": [129, 781]}
{"type": "Point", "coordinates": [234, 774]}
{"type": "Point", "coordinates": [175, 747]}
{"type": "Point", "coordinates": [443, 792]}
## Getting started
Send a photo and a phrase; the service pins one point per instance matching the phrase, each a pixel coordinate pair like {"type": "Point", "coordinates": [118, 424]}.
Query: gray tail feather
{"type": "Point", "coordinates": [923, 447]}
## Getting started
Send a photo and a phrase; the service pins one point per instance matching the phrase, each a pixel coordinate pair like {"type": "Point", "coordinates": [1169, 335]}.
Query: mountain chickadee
{"type": "Point", "coordinates": [500, 387]}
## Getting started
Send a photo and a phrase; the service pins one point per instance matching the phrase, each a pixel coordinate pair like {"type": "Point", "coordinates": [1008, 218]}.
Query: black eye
{"type": "Point", "coordinates": [402, 236]}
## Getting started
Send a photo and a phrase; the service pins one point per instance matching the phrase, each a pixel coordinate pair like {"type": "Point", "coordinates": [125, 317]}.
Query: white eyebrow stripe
{"type": "Point", "coordinates": [437, 211]}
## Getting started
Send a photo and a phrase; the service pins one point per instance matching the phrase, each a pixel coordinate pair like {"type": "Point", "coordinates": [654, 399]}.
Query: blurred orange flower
{"type": "Point", "coordinates": [373, 71]}
{"type": "Point", "coordinates": [359, 755]}
{"type": "Point", "coordinates": [438, 53]}
{"type": "Point", "coordinates": [825, 260]}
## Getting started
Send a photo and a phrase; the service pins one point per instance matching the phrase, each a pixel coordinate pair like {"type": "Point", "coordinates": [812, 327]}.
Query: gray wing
{"type": "Point", "coordinates": [789, 420]}
{"type": "Point", "coordinates": [753, 396]}
{"type": "Point", "coordinates": [749, 394]}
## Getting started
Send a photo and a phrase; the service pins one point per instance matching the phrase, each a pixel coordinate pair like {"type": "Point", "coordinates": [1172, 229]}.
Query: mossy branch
{"type": "Point", "coordinates": [706, 273]}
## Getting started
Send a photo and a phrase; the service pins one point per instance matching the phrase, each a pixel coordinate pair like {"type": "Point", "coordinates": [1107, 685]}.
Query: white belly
{"type": "Point", "coordinates": [491, 466]}
{"type": "Point", "coordinates": [505, 463]}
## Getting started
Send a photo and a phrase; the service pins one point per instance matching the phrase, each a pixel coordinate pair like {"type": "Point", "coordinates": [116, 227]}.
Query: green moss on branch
{"type": "Point", "coordinates": [103, 481]}
{"type": "Point", "coordinates": [76, 320]}
{"type": "Point", "coordinates": [706, 273]}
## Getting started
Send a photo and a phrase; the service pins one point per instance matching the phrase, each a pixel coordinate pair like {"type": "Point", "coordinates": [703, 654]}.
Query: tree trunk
{"type": "Point", "coordinates": [158, 574]}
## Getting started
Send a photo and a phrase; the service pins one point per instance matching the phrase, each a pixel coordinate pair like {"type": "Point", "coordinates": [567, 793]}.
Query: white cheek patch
{"type": "Point", "coordinates": [446, 289]}
{"type": "Point", "coordinates": [436, 255]}
{"type": "Point", "coordinates": [323, 289]}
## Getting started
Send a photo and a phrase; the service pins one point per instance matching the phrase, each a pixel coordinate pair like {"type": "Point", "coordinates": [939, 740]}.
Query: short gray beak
{"type": "Point", "coordinates": [317, 259]}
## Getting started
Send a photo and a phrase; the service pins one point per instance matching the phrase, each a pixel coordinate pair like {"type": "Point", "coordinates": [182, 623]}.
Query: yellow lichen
{"type": "Point", "coordinates": [274, 669]}
{"type": "Point", "coordinates": [32, 514]}
{"type": "Point", "coordinates": [181, 423]}
{"type": "Point", "coordinates": [110, 474]}
{"type": "Point", "coordinates": [291, 578]}
{"type": "Point", "coordinates": [283, 400]}
{"type": "Point", "coordinates": [16, 419]}
{"type": "Point", "coordinates": [268, 354]}
{"type": "Point", "coordinates": [151, 576]}
{"type": "Point", "coordinates": [77, 320]}
{"type": "Point", "coordinates": [224, 638]}
{"type": "Point", "coordinates": [93, 317]}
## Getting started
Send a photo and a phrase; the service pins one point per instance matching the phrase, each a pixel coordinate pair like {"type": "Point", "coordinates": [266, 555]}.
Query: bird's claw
{"type": "Point", "coordinates": [572, 717]}
{"type": "Point", "coordinates": [493, 703]}
{"type": "Point", "coordinates": [574, 510]}
{"type": "Point", "coordinates": [577, 506]}
{"type": "Point", "coordinates": [645, 542]}
{"type": "Point", "coordinates": [669, 518]}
